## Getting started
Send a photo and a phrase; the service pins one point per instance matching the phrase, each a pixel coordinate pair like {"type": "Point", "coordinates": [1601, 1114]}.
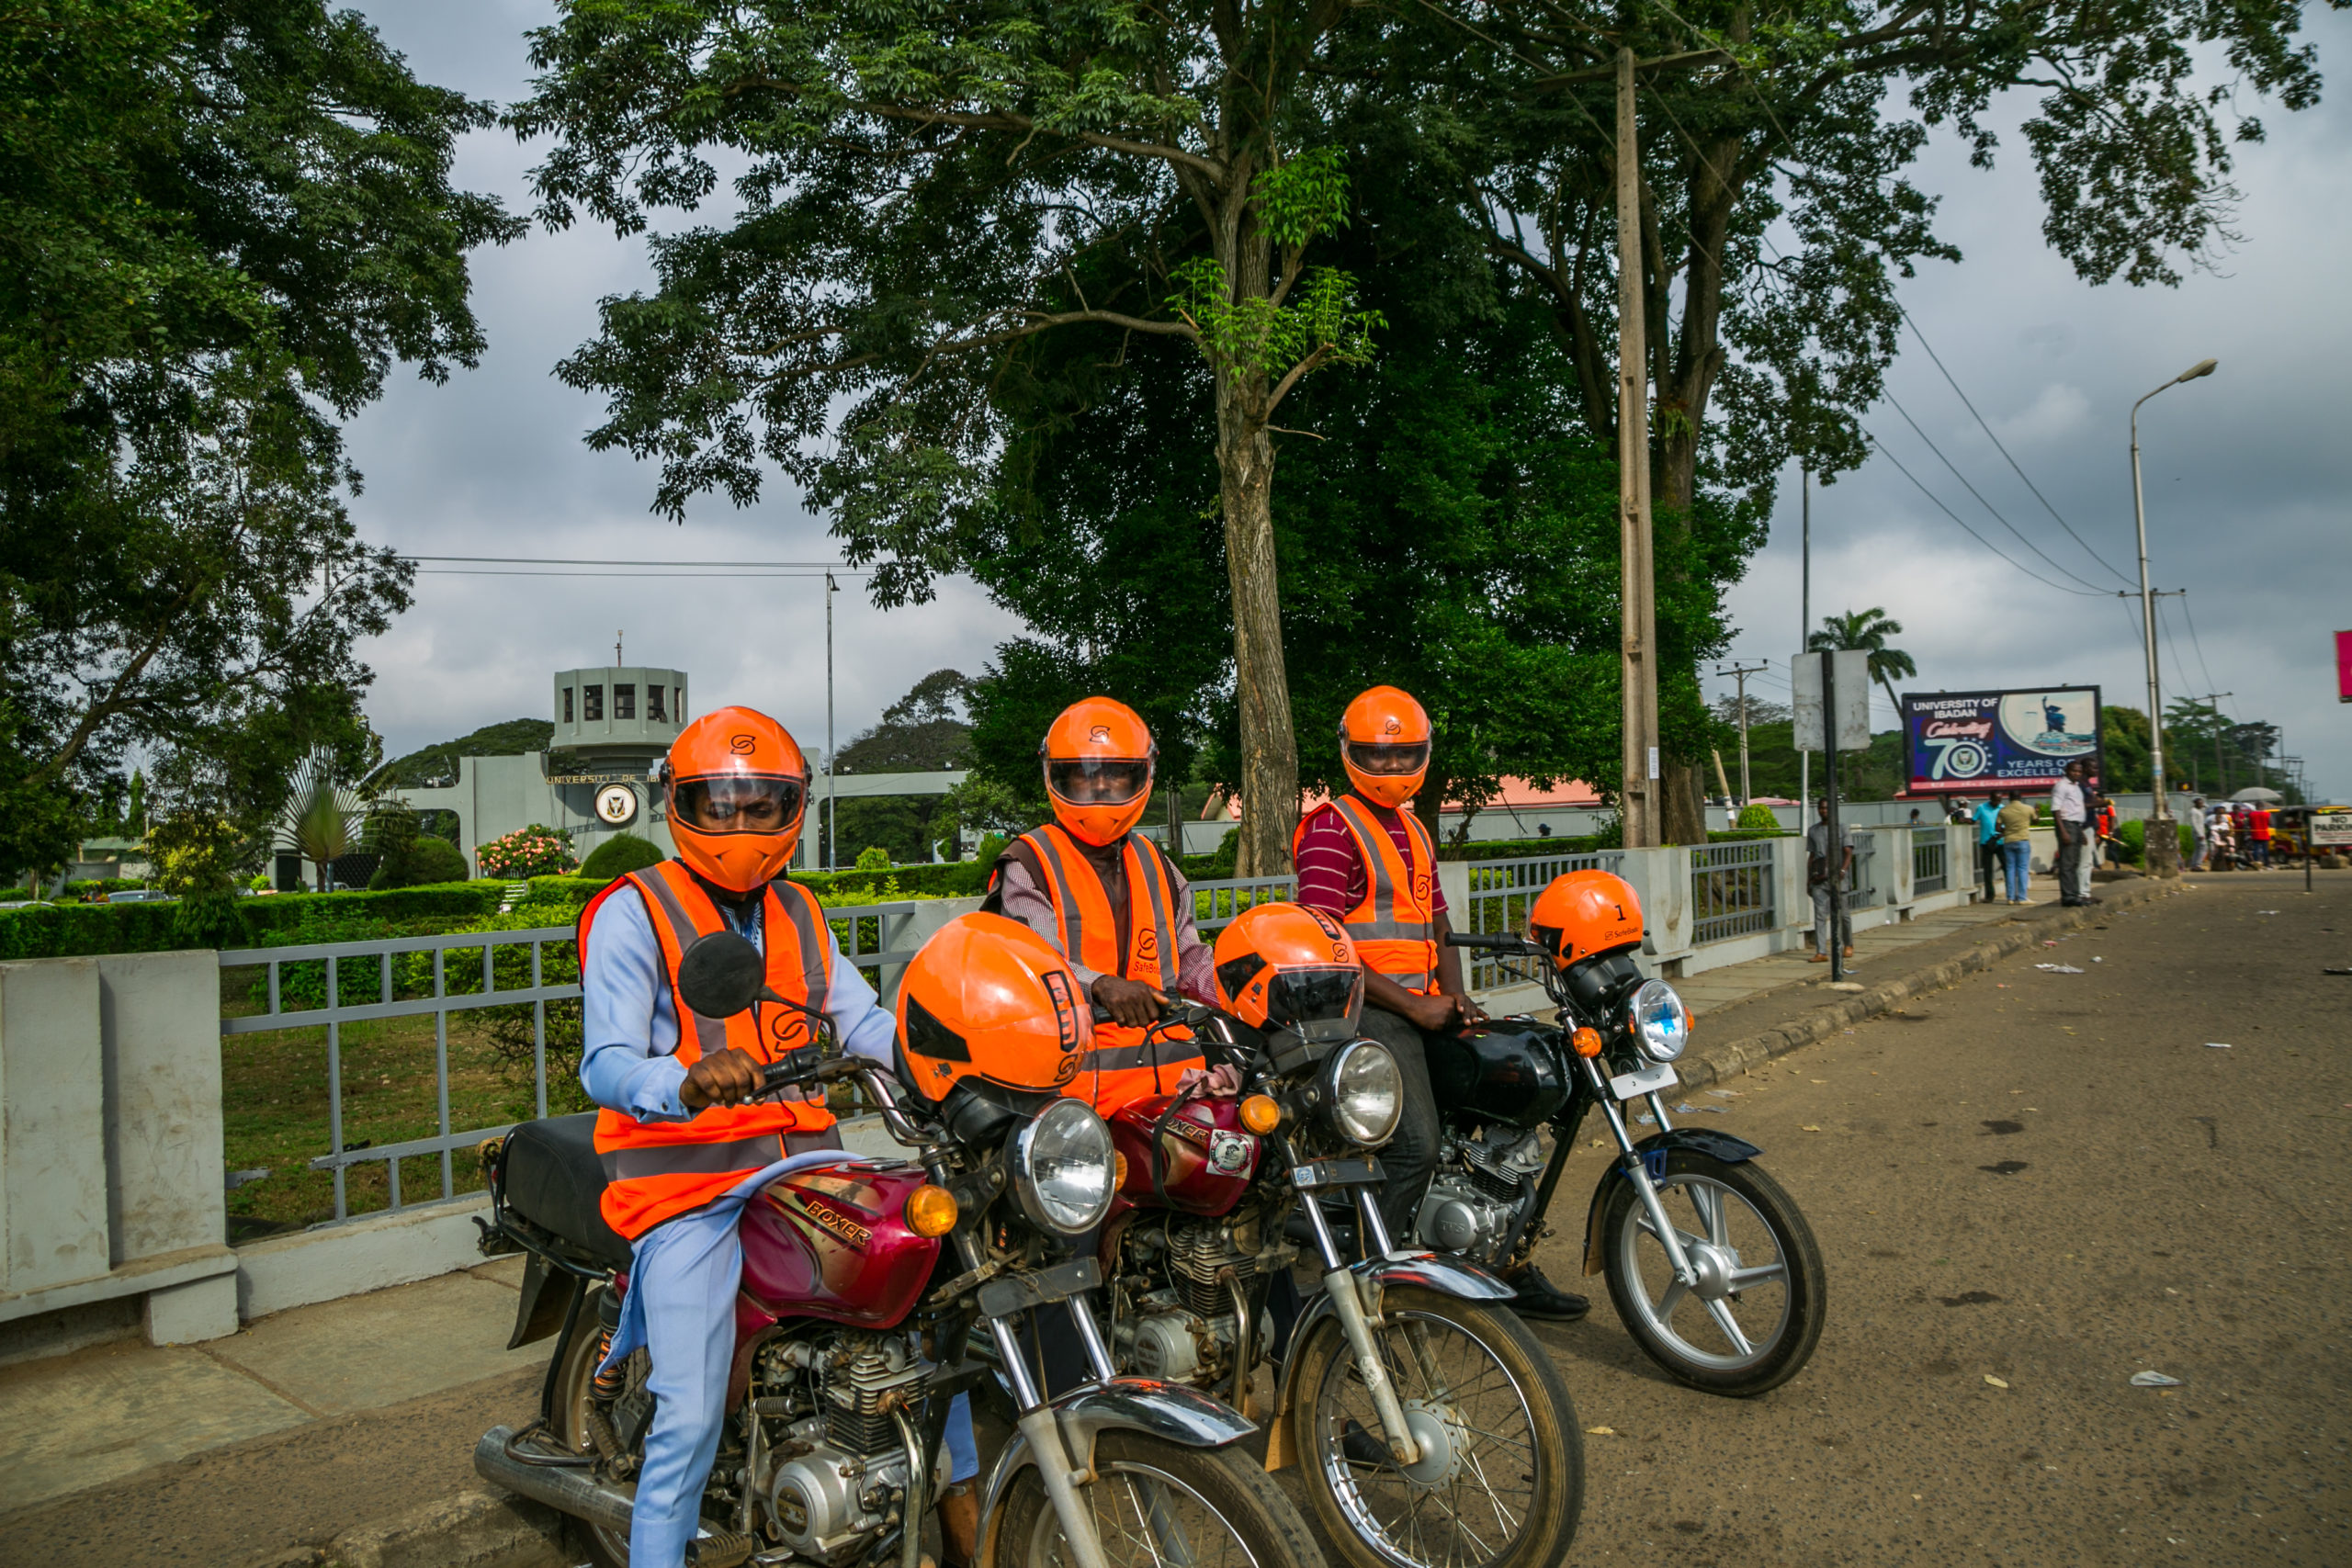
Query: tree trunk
{"type": "Point", "coordinates": [1245, 454]}
{"type": "Point", "coordinates": [1683, 807]}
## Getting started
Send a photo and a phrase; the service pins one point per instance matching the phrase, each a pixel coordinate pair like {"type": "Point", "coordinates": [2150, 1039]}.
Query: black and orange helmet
{"type": "Point", "coordinates": [987, 998]}
{"type": "Point", "coordinates": [737, 788]}
{"type": "Point", "coordinates": [1584, 913]}
{"type": "Point", "coordinates": [1287, 967]}
{"type": "Point", "coordinates": [1098, 757]}
{"type": "Point", "coordinates": [1385, 745]}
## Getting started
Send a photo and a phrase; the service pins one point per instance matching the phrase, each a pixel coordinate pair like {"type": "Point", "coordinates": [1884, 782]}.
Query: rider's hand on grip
{"type": "Point", "coordinates": [1130, 1003]}
{"type": "Point", "coordinates": [724, 1077]}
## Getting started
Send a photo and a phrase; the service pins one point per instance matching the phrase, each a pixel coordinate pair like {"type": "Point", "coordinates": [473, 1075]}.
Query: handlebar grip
{"type": "Point", "coordinates": [1100, 1013]}
{"type": "Point", "coordinates": [1485, 943]}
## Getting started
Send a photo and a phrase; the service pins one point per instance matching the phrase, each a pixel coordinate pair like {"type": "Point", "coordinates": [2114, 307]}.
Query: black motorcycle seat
{"type": "Point", "coordinates": [554, 1178]}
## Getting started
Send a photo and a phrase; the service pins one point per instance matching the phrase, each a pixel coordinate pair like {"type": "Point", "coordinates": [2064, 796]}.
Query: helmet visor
{"type": "Point", "coordinates": [738, 803]}
{"type": "Point", "coordinates": [1373, 757]}
{"type": "Point", "coordinates": [1320, 1004]}
{"type": "Point", "coordinates": [1097, 781]}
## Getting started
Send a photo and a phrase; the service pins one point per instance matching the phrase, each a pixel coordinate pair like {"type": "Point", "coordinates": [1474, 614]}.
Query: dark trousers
{"type": "Point", "coordinates": [1988, 865]}
{"type": "Point", "coordinates": [1407, 1160]}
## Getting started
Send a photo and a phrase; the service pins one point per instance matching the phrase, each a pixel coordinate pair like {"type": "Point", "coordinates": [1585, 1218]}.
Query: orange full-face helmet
{"type": "Point", "coordinates": [1385, 745]}
{"type": "Point", "coordinates": [1098, 757]}
{"type": "Point", "coordinates": [1287, 967]}
{"type": "Point", "coordinates": [987, 998]}
{"type": "Point", "coordinates": [1584, 913]}
{"type": "Point", "coordinates": [737, 787]}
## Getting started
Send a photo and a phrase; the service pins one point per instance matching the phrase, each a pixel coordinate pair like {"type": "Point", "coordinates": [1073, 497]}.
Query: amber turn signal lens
{"type": "Point", "coordinates": [1586, 1041]}
{"type": "Point", "coordinates": [931, 1211]}
{"type": "Point", "coordinates": [1260, 1115]}
{"type": "Point", "coordinates": [1118, 1172]}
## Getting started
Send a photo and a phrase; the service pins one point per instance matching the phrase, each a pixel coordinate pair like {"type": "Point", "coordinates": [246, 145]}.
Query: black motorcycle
{"type": "Point", "coordinates": [1731, 1301]}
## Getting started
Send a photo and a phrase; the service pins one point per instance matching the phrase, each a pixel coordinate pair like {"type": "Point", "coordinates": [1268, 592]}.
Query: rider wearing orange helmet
{"type": "Point", "coordinates": [1110, 899]}
{"type": "Point", "coordinates": [683, 1145]}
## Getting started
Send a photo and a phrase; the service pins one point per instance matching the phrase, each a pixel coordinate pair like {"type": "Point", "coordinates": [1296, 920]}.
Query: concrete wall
{"type": "Point", "coordinates": [110, 1146]}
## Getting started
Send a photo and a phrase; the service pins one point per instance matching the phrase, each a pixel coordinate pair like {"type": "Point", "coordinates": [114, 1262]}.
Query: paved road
{"type": "Point", "coordinates": [2052, 1179]}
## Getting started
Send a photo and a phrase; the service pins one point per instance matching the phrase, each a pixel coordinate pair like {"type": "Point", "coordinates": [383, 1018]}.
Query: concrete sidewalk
{"type": "Point", "coordinates": [344, 1431]}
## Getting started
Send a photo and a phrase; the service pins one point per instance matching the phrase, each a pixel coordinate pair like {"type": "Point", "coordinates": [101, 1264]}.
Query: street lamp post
{"type": "Point", "coordinates": [2162, 842]}
{"type": "Point", "coordinates": [831, 838]}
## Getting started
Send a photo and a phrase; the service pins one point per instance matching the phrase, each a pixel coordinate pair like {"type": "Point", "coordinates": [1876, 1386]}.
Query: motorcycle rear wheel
{"type": "Point", "coordinates": [1507, 1486]}
{"type": "Point", "coordinates": [1756, 1241]}
{"type": "Point", "coordinates": [1156, 1503]}
{"type": "Point", "coordinates": [574, 1388]}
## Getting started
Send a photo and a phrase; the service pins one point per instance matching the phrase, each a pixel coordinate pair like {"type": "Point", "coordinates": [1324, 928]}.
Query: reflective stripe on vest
{"type": "Point", "coordinates": [1122, 1066]}
{"type": "Point", "coordinates": [1394, 928]}
{"type": "Point", "coordinates": [657, 1169]}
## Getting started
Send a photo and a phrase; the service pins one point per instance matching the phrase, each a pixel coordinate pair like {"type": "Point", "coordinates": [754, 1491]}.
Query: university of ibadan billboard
{"type": "Point", "coordinates": [1969, 742]}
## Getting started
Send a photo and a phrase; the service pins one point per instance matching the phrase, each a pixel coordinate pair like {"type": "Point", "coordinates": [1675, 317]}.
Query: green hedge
{"type": "Point", "coordinates": [75, 930]}
{"type": "Point", "coordinates": [955, 879]}
{"type": "Point", "coordinates": [1518, 849]}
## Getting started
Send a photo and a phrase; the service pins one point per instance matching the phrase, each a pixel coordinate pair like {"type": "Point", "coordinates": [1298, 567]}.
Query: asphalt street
{"type": "Point", "coordinates": [2054, 1180]}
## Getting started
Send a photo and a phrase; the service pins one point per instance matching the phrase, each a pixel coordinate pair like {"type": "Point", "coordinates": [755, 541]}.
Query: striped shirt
{"type": "Point", "coordinates": [1331, 874]}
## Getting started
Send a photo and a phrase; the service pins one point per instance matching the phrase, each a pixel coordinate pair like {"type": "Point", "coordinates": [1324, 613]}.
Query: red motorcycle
{"type": "Point", "coordinates": [863, 1283]}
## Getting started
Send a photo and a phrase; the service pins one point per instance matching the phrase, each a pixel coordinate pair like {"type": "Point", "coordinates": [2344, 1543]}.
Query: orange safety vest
{"type": "Point", "coordinates": [1123, 1066]}
{"type": "Point", "coordinates": [1394, 928]}
{"type": "Point", "coordinates": [657, 1169]}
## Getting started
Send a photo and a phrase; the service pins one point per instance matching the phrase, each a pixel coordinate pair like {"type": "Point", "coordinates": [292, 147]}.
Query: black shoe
{"type": "Point", "coordinates": [1539, 1298]}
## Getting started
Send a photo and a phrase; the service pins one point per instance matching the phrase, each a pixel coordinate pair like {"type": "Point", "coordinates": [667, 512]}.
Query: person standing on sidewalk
{"type": "Point", "coordinates": [2259, 831]}
{"type": "Point", "coordinates": [2013, 834]}
{"type": "Point", "coordinates": [2070, 808]}
{"type": "Point", "coordinates": [1987, 817]}
{"type": "Point", "coordinates": [1818, 859]}
{"type": "Point", "coordinates": [2200, 835]}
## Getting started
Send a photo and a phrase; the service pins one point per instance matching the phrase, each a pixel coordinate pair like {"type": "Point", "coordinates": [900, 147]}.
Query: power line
{"type": "Point", "coordinates": [2194, 640]}
{"type": "Point", "coordinates": [564, 560]}
{"type": "Point", "coordinates": [1880, 445]}
{"type": "Point", "coordinates": [643, 574]}
{"type": "Point", "coordinates": [1987, 505]}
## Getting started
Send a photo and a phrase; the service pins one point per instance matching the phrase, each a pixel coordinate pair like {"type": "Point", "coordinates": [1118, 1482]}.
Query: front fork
{"type": "Point", "coordinates": [1636, 1173]}
{"type": "Point", "coordinates": [1348, 1306]}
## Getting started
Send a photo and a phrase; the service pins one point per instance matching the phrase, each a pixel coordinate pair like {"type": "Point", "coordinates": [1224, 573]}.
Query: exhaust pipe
{"type": "Point", "coordinates": [567, 1491]}
{"type": "Point", "coordinates": [571, 1491]}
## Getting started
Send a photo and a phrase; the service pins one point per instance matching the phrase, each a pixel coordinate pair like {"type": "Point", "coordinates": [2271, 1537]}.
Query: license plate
{"type": "Point", "coordinates": [1633, 1085]}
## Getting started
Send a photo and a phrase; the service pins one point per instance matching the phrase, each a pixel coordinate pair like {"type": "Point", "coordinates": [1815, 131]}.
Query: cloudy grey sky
{"type": "Point", "coordinates": [2247, 490]}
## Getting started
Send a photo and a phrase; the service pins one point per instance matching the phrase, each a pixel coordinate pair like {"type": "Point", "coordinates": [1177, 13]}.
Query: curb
{"type": "Point", "coordinates": [469, 1530]}
{"type": "Point", "coordinates": [1729, 1061]}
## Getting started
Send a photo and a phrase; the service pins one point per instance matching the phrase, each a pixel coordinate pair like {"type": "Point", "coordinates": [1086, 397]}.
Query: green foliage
{"type": "Point", "coordinates": [874, 859]}
{"type": "Point", "coordinates": [438, 763]}
{"type": "Point", "coordinates": [427, 861]}
{"type": "Point", "coordinates": [1756, 818]}
{"type": "Point", "coordinates": [536, 851]}
{"type": "Point", "coordinates": [220, 228]}
{"type": "Point", "coordinates": [1259, 334]}
{"type": "Point", "coordinates": [2133, 835]}
{"type": "Point", "coordinates": [71, 930]}
{"type": "Point", "coordinates": [1866, 631]}
{"type": "Point", "coordinates": [621, 852]}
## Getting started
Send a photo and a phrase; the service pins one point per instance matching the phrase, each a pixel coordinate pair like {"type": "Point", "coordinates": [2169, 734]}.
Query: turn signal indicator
{"type": "Point", "coordinates": [1260, 1115]}
{"type": "Point", "coordinates": [1586, 1041]}
{"type": "Point", "coordinates": [931, 1211]}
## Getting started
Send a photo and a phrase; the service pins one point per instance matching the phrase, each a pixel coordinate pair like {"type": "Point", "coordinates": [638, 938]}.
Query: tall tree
{"type": "Point", "coordinates": [924, 191]}
{"type": "Point", "coordinates": [1866, 631]}
{"type": "Point", "coordinates": [218, 228]}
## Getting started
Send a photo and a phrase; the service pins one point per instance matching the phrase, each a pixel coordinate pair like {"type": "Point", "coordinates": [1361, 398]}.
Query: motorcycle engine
{"type": "Point", "coordinates": [1480, 1187]}
{"type": "Point", "coordinates": [844, 1475]}
{"type": "Point", "coordinates": [1186, 1328]}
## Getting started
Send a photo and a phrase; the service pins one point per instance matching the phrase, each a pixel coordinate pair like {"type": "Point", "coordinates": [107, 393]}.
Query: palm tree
{"type": "Point", "coordinates": [318, 822]}
{"type": "Point", "coordinates": [1866, 631]}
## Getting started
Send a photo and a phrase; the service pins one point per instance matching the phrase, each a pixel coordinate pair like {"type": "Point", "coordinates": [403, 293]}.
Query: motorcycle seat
{"type": "Point", "coordinates": [554, 1178]}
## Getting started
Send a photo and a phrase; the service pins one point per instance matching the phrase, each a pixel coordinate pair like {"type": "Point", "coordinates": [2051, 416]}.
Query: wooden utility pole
{"type": "Point", "coordinates": [1641, 810]}
{"type": "Point", "coordinates": [1740, 672]}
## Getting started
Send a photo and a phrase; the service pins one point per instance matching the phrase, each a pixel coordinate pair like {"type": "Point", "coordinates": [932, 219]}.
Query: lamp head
{"type": "Point", "coordinates": [2202, 367]}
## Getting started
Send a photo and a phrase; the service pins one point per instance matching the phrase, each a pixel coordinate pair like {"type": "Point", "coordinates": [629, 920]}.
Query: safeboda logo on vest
{"type": "Point", "coordinates": [1147, 944]}
{"type": "Point", "coordinates": [786, 1029]}
{"type": "Point", "coordinates": [1420, 887]}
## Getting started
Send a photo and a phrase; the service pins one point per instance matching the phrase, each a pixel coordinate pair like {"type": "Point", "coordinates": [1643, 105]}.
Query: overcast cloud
{"type": "Point", "coordinates": [2245, 487]}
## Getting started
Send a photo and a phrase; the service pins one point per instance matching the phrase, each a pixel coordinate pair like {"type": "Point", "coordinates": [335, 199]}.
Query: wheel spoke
{"type": "Point", "coordinates": [1672, 1299]}
{"type": "Point", "coordinates": [1708, 1202]}
{"type": "Point", "coordinates": [1721, 1313]}
{"type": "Point", "coordinates": [1762, 1274]}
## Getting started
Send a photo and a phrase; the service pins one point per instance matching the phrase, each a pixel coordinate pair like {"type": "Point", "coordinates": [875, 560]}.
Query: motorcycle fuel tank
{"type": "Point", "coordinates": [1511, 1070]}
{"type": "Point", "coordinates": [1207, 1157]}
{"type": "Point", "coordinates": [831, 1242]}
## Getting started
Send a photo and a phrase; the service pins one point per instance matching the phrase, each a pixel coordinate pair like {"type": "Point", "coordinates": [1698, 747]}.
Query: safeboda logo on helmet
{"type": "Point", "coordinates": [1100, 735]}
{"type": "Point", "coordinates": [1394, 726]}
{"type": "Point", "coordinates": [742, 745]}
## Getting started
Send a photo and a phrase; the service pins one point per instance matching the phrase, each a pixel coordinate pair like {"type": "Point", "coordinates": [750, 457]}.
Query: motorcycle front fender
{"type": "Point", "coordinates": [1443, 1273]}
{"type": "Point", "coordinates": [1167, 1411]}
{"type": "Point", "coordinates": [1654, 1149]}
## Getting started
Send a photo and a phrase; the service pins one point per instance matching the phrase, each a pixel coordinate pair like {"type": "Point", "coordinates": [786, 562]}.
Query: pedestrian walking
{"type": "Point", "coordinates": [1987, 817]}
{"type": "Point", "coordinates": [1818, 859]}
{"type": "Point", "coordinates": [2201, 834]}
{"type": "Point", "coordinates": [2259, 824]}
{"type": "Point", "coordinates": [2013, 829]}
{"type": "Point", "coordinates": [2109, 847]}
{"type": "Point", "coordinates": [2070, 809]}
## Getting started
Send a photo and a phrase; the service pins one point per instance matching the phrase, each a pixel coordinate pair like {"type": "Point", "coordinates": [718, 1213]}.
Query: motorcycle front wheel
{"type": "Point", "coordinates": [1156, 1503]}
{"type": "Point", "coordinates": [1750, 1322]}
{"type": "Point", "coordinates": [1500, 1480]}
{"type": "Point", "coordinates": [574, 1391]}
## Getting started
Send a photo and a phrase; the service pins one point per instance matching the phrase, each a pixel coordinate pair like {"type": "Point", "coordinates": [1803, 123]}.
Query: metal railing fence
{"type": "Point", "coordinates": [1731, 890]}
{"type": "Point", "coordinates": [1501, 893]}
{"type": "Point", "coordinates": [1215, 904]}
{"type": "Point", "coordinates": [1930, 852]}
{"type": "Point", "coordinates": [1862, 891]}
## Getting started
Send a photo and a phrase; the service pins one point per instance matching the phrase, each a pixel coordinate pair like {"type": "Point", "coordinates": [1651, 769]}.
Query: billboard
{"type": "Point", "coordinates": [2344, 667]}
{"type": "Point", "coordinates": [1969, 742]}
{"type": "Point", "coordinates": [2331, 826]}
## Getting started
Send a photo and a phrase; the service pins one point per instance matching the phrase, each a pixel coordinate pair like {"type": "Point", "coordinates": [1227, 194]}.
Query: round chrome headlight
{"type": "Point", "coordinates": [1367, 1092]}
{"type": "Point", "coordinates": [1063, 1170]}
{"type": "Point", "coordinates": [1660, 1022]}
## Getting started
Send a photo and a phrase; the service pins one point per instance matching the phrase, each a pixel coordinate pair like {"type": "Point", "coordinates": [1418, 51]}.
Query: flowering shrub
{"type": "Point", "coordinates": [534, 851]}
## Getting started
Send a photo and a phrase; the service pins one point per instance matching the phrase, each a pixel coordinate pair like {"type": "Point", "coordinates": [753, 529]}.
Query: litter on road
{"type": "Point", "coordinates": [1996, 1382]}
{"type": "Point", "coordinates": [2217, 1045]}
{"type": "Point", "coordinates": [2153, 1380]}
{"type": "Point", "coordinates": [2059, 968]}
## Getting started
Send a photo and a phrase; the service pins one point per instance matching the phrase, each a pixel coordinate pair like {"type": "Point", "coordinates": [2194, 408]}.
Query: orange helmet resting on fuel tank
{"type": "Point", "coordinates": [1098, 757]}
{"type": "Point", "coordinates": [1385, 745]}
{"type": "Point", "coordinates": [1287, 967]}
{"type": "Point", "coordinates": [1584, 913]}
{"type": "Point", "coordinates": [987, 998]}
{"type": "Point", "coordinates": [737, 786]}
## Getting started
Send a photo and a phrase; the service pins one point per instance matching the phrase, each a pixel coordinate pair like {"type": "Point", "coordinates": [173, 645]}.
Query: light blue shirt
{"type": "Point", "coordinates": [631, 1025]}
{"type": "Point", "coordinates": [1988, 817]}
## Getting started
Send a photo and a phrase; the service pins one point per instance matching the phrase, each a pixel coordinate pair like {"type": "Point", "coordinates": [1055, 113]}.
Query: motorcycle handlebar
{"type": "Point", "coordinates": [806, 1067]}
{"type": "Point", "coordinates": [1494, 943]}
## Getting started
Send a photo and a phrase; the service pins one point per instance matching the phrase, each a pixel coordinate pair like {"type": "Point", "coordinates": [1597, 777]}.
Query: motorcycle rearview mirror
{"type": "Point", "coordinates": [720, 974]}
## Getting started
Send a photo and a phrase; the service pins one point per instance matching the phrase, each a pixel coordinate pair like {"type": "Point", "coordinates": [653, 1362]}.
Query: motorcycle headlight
{"type": "Point", "coordinates": [1662, 1024]}
{"type": "Point", "coordinates": [1366, 1093]}
{"type": "Point", "coordinates": [1063, 1169]}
